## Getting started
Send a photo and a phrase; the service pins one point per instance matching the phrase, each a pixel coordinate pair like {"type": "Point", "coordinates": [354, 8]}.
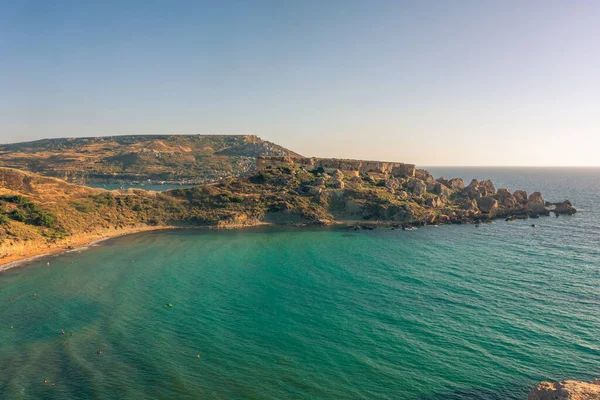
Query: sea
{"type": "Point", "coordinates": [449, 312]}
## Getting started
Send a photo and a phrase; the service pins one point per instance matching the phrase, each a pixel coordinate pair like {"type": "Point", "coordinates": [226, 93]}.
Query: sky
{"type": "Point", "coordinates": [430, 82]}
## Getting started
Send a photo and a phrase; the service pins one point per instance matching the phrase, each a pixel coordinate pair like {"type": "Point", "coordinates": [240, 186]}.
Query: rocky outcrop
{"type": "Point", "coordinates": [338, 179]}
{"type": "Point", "coordinates": [441, 189]}
{"type": "Point", "coordinates": [520, 196]}
{"type": "Point", "coordinates": [564, 207]}
{"type": "Point", "coordinates": [536, 204]}
{"type": "Point", "coordinates": [487, 205]}
{"type": "Point", "coordinates": [455, 184]}
{"type": "Point", "coordinates": [417, 186]}
{"type": "Point", "coordinates": [566, 390]}
{"type": "Point", "coordinates": [505, 198]}
{"type": "Point", "coordinates": [348, 167]}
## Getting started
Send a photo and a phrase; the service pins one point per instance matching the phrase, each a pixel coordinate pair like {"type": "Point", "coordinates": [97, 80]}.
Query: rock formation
{"type": "Point", "coordinates": [564, 207]}
{"type": "Point", "coordinates": [536, 204]}
{"type": "Point", "coordinates": [566, 390]}
{"type": "Point", "coordinates": [349, 168]}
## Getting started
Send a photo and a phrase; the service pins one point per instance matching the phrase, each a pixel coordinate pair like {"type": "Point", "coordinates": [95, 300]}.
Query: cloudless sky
{"type": "Point", "coordinates": [432, 82]}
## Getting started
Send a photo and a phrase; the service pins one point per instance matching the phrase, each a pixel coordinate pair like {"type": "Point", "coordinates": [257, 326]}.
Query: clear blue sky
{"type": "Point", "coordinates": [431, 82]}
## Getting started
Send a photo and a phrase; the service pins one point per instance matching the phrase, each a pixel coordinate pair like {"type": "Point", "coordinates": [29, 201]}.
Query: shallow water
{"type": "Point", "coordinates": [453, 312]}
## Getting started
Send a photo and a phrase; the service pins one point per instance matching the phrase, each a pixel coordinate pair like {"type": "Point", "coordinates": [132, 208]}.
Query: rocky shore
{"type": "Point", "coordinates": [566, 390]}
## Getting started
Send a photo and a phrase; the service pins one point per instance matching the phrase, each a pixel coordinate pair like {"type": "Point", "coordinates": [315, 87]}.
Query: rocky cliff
{"type": "Point", "coordinates": [349, 168]}
{"type": "Point", "coordinates": [566, 390]}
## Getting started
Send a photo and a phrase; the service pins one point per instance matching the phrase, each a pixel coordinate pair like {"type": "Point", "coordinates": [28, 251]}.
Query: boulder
{"type": "Point", "coordinates": [424, 175]}
{"type": "Point", "coordinates": [455, 184]}
{"type": "Point", "coordinates": [520, 196]}
{"type": "Point", "coordinates": [564, 208]}
{"type": "Point", "coordinates": [441, 189]}
{"type": "Point", "coordinates": [338, 179]}
{"type": "Point", "coordinates": [488, 187]}
{"type": "Point", "coordinates": [469, 205]}
{"type": "Point", "coordinates": [487, 204]}
{"type": "Point", "coordinates": [505, 198]}
{"type": "Point", "coordinates": [418, 186]}
{"type": "Point", "coordinates": [536, 203]}
{"type": "Point", "coordinates": [473, 190]}
{"type": "Point", "coordinates": [566, 390]}
{"type": "Point", "coordinates": [432, 202]}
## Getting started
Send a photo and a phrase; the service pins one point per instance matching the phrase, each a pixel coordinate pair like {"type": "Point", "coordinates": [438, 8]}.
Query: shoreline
{"type": "Point", "coordinates": [44, 250]}
{"type": "Point", "coordinates": [38, 252]}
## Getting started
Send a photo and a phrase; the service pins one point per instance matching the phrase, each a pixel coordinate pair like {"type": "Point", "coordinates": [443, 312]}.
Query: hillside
{"type": "Point", "coordinates": [39, 214]}
{"type": "Point", "coordinates": [185, 159]}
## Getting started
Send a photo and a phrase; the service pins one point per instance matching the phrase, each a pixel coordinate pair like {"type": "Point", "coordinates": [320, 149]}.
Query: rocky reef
{"type": "Point", "coordinates": [566, 390]}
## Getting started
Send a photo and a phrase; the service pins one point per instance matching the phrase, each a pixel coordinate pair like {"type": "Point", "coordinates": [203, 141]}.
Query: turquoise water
{"type": "Point", "coordinates": [453, 312]}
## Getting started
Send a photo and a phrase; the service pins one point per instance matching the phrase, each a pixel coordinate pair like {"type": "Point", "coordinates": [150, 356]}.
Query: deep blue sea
{"type": "Point", "coordinates": [452, 312]}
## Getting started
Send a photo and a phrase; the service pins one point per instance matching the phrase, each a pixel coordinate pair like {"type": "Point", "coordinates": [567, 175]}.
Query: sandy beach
{"type": "Point", "coordinates": [29, 252]}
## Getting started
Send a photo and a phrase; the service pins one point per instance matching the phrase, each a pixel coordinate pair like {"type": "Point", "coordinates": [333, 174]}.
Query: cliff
{"type": "Point", "coordinates": [158, 158]}
{"type": "Point", "coordinates": [566, 390]}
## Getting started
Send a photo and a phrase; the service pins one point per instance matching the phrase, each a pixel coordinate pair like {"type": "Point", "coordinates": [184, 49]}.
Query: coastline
{"type": "Point", "coordinates": [28, 255]}
{"type": "Point", "coordinates": [36, 252]}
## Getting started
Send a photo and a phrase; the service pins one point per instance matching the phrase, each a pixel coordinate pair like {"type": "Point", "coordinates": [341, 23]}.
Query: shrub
{"type": "Point", "coordinates": [18, 215]}
{"type": "Point", "coordinates": [43, 219]}
{"type": "Point", "coordinates": [4, 219]}
{"type": "Point", "coordinates": [21, 200]}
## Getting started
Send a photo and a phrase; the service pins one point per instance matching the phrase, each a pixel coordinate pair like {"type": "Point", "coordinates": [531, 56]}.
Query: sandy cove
{"type": "Point", "coordinates": [27, 252]}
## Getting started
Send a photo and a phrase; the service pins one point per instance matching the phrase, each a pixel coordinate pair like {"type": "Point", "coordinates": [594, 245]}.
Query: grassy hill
{"type": "Point", "coordinates": [183, 159]}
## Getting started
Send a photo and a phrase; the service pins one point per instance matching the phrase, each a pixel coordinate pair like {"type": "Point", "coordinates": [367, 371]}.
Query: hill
{"type": "Point", "coordinates": [185, 159]}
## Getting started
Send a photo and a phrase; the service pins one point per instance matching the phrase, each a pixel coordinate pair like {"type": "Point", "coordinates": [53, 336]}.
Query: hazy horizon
{"type": "Point", "coordinates": [460, 83]}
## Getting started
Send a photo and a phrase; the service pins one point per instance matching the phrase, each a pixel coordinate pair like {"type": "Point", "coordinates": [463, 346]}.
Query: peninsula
{"type": "Point", "coordinates": [43, 214]}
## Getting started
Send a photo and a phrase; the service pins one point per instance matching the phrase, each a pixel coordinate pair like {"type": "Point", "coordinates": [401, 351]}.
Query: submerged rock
{"type": "Point", "coordinates": [566, 390]}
